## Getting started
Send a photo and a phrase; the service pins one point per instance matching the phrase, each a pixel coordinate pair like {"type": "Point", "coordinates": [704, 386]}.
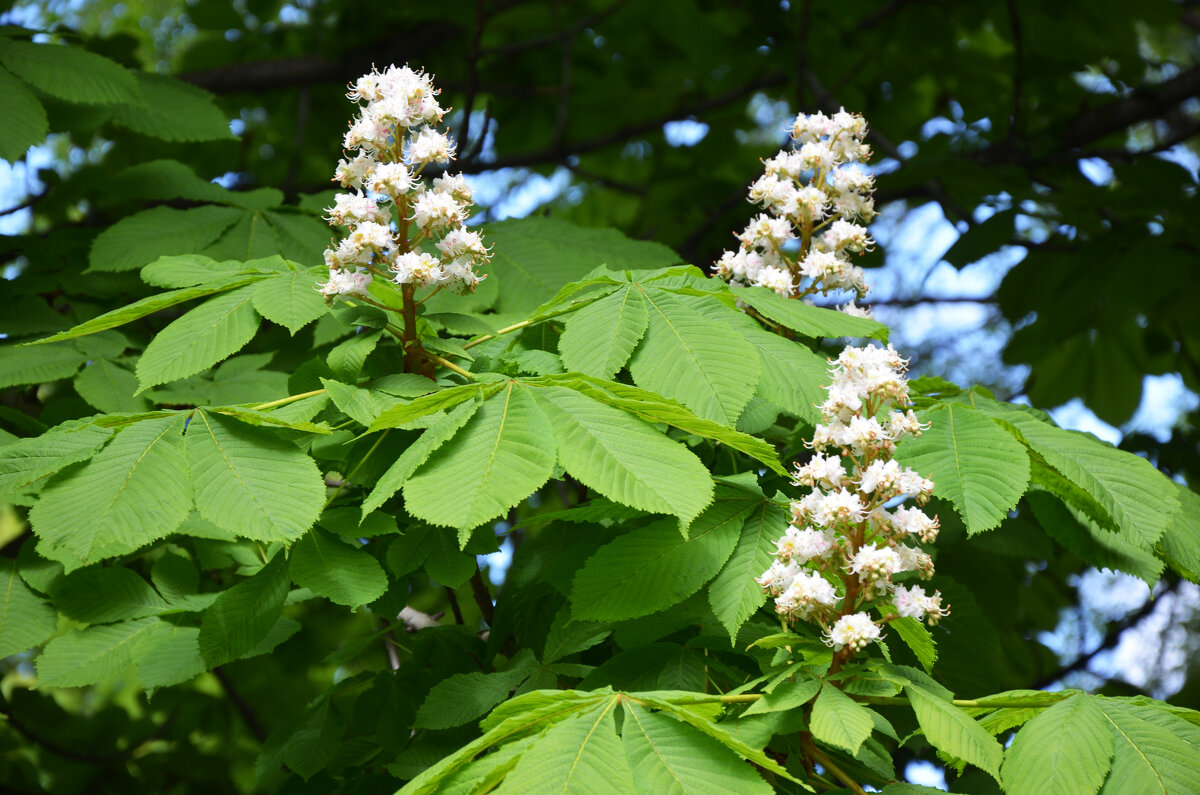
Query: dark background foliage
{"type": "Point", "coordinates": [986, 109]}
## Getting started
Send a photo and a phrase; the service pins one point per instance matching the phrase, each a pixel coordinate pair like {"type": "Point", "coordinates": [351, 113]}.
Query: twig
{"type": "Point", "coordinates": [472, 80]}
{"type": "Point", "coordinates": [249, 717]}
{"type": "Point", "coordinates": [482, 597]}
{"type": "Point", "coordinates": [454, 608]}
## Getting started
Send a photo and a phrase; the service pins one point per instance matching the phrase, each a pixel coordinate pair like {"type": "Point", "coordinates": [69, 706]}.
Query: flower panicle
{"type": "Point", "coordinates": [817, 198]}
{"type": "Point", "coordinates": [854, 539]}
{"type": "Point", "coordinates": [390, 209]}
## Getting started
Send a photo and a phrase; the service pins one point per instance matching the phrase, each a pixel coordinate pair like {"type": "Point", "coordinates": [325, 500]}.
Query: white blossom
{"type": "Point", "coordinates": [346, 282]}
{"type": "Point", "coordinates": [855, 631]}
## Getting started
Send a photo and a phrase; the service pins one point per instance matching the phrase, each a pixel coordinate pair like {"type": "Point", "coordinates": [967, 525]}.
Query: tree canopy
{"type": "Point", "coordinates": [225, 499]}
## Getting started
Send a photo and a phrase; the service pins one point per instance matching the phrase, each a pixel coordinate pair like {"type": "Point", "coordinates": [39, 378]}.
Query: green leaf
{"type": "Point", "coordinates": [493, 462]}
{"type": "Point", "coordinates": [359, 404]}
{"type": "Point", "coordinates": [917, 637]}
{"type": "Point", "coordinates": [110, 388]}
{"type": "Point", "coordinates": [787, 695]}
{"type": "Point", "coordinates": [300, 238]}
{"type": "Point", "coordinates": [70, 73]}
{"type": "Point", "coordinates": [568, 636]}
{"type": "Point", "coordinates": [653, 407]}
{"type": "Point", "coordinates": [624, 458]}
{"type": "Point", "coordinates": [668, 756]}
{"type": "Point", "coordinates": [171, 656]}
{"type": "Point", "coordinates": [165, 179]}
{"type": "Point", "coordinates": [1066, 750]}
{"type": "Point", "coordinates": [792, 375]}
{"type": "Point", "coordinates": [104, 594]}
{"type": "Point", "coordinates": [292, 300]}
{"type": "Point", "coordinates": [244, 614]}
{"type": "Point", "coordinates": [973, 463]}
{"type": "Point", "coordinates": [734, 595]}
{"type": "Point", "coordinates": [697, 361]}
{"type": "Point", "coordinates": [25, 619]}
{"type": "Point", "coordinates": [26, 461]}
{"type": "Point", "coordinates": [1180, 543]}
{"type": "Point", "coordinates": [417, 454]}
{"type": "Point", "coordinates": [19, 365]}
{"type": "Point", "coordinates": [25, 121]}
{"type": "Point", "coordinates": [84, 657]}
{"type": "Point", "coordinates": [811, 321]}
{"type": "Point", "coordinates": [581, 754]}
{"type": "Point", "coordinates": [347, 358]}
{"type": "Point", "coordinates": [134, 491]}
{"type": "Point", "coordinates": [1153, 750]}
{"type": "Point", "coordinates": [316, 739]}
{"type": "Point", "coordinates": [250, 482]}
{"type": "Point", "coordinates": [173, 111]}
{"type": "Point", "coordinates": [461, 698]}
{"type": "Point", "coordinates": [953, 732]}
{"type": "Point", "coordinates": [1141, 500]}
{"type": "Point", "coordinates": [409, 410]}
{"type": "Point", "coordinates": [653, 567]}
{"type": "Point", "coordinates": [600, 338]}
{"type": "Point", "coordinates": [187, 270]}
{"type": "Point", "coordinates": [839, 720]}
{"type": "Point", "coordinates": [143, 237]}
{"type": "Point", "coordinates": [327, 565]}
{"type": "Point", "coordinates": [533, 257]}
{"type": "Point", "coordinates": [216, 329]}
{"type": "Point", "coordinates": [145, 306]}
{"type": "Point", "coordinates": [269, 419]}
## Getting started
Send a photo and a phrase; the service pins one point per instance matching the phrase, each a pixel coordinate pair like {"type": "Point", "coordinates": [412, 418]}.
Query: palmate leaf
{"type": "Point", "coordinates": [139, 239]}
{"type": "Point", "coordinates": [104, 594]}
{"type": "Point", "coordinates": [839, 720]}
{"type": "Point", "coordinates": [70, 73]}
{"type": "Point", "coordinates": [622, 457]}
{"type": "Point", "coordinates": [250, 482]}
{"type": "Point", "coordinates": [653, 567]}
{"type": "Point", "coordinates": [533, 257]}
{"type": "Point", "coordinates": [27, 461]}
{"type": "Point", "coordinates": [25, 122]}
{"type": "Point", "coordinates": [216, 329]}
{"type": "Point", "coordinates": [406, 411]}
{"type": "Point", "coordinates": [173, 111]}
{"type": "Point", "coordinates": [734, 595]}
{"type": "Point", "coordinates": [918, 639]}
{"type": "Point", "coordinates": [84, 657]}
{"type": "Point", "coordinates": [327, 565]}
{"type": "Point", "coordinates": [1153, 750]}
{"type": "Point", "coordinates": [461, 698]}
{"type": "Point", "coordinates": [668, 756]}
{"type": "Point", "coordinates": [972, 461]}
{"type": "Point", "coordinates": [418, 453]}
{"type": "Point", "coordinates": [953, 731]}
{"type": "Point", "coordinates": [290, 299]}
{"type": "Point", "coordinates": [134, 491]}
{"type": "Point", "coordinates": [19, 365]}
{"type": "Point", "coordinates": [1065, 750]}
{"type": "Point", "coordinates": [1140, 500]}
{"type": "Point", "coordinates": [811, 321]}
{"type": "Point", "coordinates": [25, 619]}
{"type": "Point", "coordinates": [653, 407]}
{"type": "Point", "coordinates": [110, 388]}
{"type": "Point", "coordinates": [149, 305]}
{"type": "Point", "coordinates": [243, 615]}
{"type": "Point", "coordinates": [688, 357]}
{"type": "Point", "coordinates": [581, 754]}
{"type": "Point", "coordinates": [493, 462]}
{"type": "Point", "coordinates": [1181, 542]}
{"type": "Point", "coordinates": [600, 338]}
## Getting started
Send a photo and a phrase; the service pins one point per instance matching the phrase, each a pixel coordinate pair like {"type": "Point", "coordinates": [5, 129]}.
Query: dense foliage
{"type": "Point", "coordinates": [244, 520]}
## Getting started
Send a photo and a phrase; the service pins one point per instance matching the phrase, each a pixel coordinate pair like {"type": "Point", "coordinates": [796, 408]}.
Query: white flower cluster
{"type": "Point", "coordinates": [814, 195]}
{"type": "Point", "coordinates": [848, 536]}
{"type": "Point", "coordinates": [396, 137]}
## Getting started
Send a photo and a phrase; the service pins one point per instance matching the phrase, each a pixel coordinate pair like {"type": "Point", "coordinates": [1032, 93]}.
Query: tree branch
{"type": "Point", "coordinates": [249, 717]}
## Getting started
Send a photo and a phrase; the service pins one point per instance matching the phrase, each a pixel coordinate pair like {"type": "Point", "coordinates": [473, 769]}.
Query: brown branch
{"type": "Point", "coordinates": [482, 598]}
{"type": "Point", "coordinates": [1111, 638]}
{"type": "Point", "coordinates": [472, 80]}
{"type": "Point", "coordinates": [551, 38]}
{"type": "Point", "coordinates": [249, 717]}
{"type": "Point", "coordinates": [552, 154]}
{"type": "Point", "coordinates": [454, 608]}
